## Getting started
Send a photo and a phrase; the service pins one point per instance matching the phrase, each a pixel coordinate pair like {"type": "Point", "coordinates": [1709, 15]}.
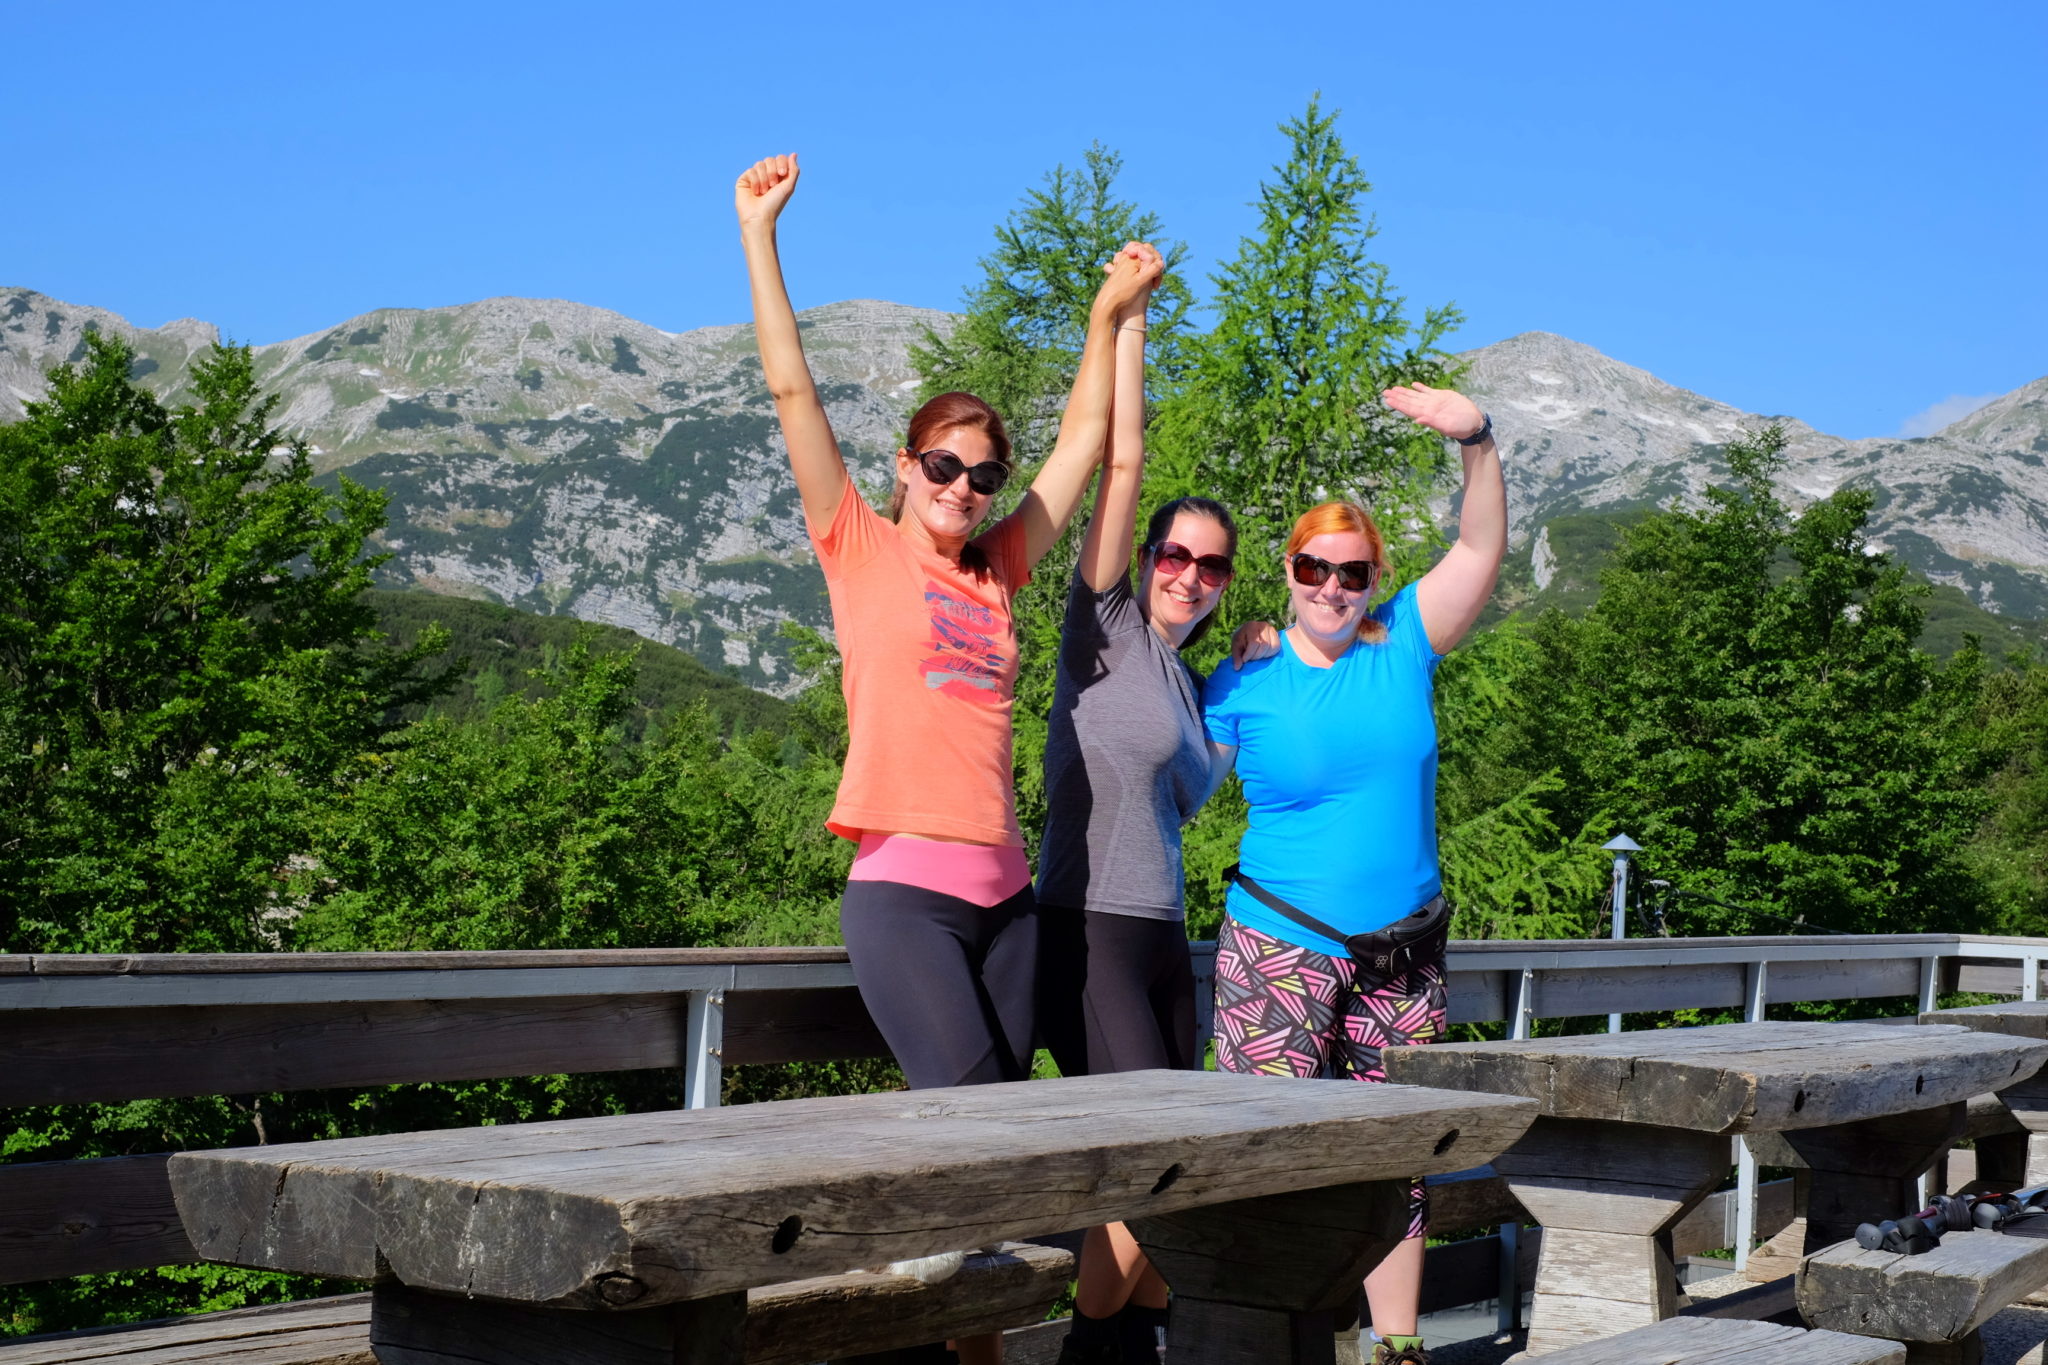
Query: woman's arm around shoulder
{"type": "Point", "coordinates": [822, 482]}
{"type": "Point", "coordinates": [1450, 596]}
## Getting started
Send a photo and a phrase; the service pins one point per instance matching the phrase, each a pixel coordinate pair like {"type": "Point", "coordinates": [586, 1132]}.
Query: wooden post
{"type": "Point", "coordinates": [1607, 1195]}
{"type": "Point", "coordinates": [2028, 1102]}
{"type": "Point", "coordinates": [413, 1327]}
{"type": "Point", "coordinates": [1256, 1282]}
{"type": "Point", "coordinates": [1864, 1172]}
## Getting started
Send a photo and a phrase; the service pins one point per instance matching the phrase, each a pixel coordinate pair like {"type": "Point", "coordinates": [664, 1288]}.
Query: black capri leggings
{"type": "Point", "coordinates": [951, 984]}
{"type": "Point", "coordinates": [1115, 992]}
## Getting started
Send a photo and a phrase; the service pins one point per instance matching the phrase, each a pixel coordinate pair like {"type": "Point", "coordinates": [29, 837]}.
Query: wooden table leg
{"type": "Point", "coordinates": [1607, 1195]}
{"type": "Point", "coordinates": [2028, 1102]}
{"type": "Point", "coordinates": [1255, 1282]}
{"type": "Point", "coordinates": [1864, 1172]}
{"type": "Point", "coordinates": [413, 1327]}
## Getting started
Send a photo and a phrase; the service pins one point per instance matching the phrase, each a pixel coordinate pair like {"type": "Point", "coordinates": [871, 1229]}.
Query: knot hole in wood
{"type": "Point", "coordinates": [620, 1289]}
{"type": "Point", "coordinates": [1446, 1142]}
{"type": "Point", "coordinates": [786, 1233]}
{"type": "Point", "coordinates": [1166, 1179]}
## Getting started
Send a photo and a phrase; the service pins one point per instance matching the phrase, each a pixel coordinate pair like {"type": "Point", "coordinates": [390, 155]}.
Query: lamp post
{"type": "Point", "coordinates": [1620, 846]}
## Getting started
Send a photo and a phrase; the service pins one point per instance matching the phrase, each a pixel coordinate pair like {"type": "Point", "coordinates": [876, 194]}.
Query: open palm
{"type": "Point", "coordinates": [1441, 410]}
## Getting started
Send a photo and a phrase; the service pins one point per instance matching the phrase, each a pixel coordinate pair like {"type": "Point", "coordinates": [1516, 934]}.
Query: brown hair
{"type": "Point", "coordinates": [948, 412]}
{"type": "Point", "coordinates": [1339, 518]}
{"type": "Point", "coordinates": [1162, 522]}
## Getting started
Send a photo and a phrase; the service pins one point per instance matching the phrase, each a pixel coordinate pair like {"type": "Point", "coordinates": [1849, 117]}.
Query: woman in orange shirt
{"type": "Point", "coordinates": [938, 915]}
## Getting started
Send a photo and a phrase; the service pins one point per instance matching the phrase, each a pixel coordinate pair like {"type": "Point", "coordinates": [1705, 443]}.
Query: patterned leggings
{"type": "Point", "coordinates": [1283, 1010]}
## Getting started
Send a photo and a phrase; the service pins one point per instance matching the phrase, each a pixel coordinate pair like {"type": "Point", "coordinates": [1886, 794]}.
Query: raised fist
{"type": "Point", "coordinates": [763, 188]}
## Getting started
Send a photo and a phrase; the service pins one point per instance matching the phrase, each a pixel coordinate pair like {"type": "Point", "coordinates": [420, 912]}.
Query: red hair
{"type": "Point", "coordinates": [1344, 518]}
{"type": "Point", "coordinates": [950, 412]}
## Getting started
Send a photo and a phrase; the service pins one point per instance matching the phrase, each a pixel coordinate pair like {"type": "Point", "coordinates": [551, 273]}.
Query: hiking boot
{"type": "Point", "coordinates": [1384, 1354]}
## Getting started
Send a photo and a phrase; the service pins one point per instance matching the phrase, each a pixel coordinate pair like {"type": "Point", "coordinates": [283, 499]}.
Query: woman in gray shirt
{"type": "Point", "coordinates": [1126, 765]}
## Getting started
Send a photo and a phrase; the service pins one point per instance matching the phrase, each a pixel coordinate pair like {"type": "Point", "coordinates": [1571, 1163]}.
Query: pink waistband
{"type": "Point", "coordinates": [981, 874]}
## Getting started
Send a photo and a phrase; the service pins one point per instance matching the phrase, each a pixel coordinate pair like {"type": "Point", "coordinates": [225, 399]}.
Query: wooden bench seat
{"type": "Point", "coordinates": [1725, 1341]}
{"type": "Point", "coordinates": [1936, 1302]}
{"type": "Point", "coordinates": [787, 1324]}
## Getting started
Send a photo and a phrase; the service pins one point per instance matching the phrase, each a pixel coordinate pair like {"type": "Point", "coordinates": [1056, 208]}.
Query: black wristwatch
{"type": "Point", "coordinates": [1485, 431]}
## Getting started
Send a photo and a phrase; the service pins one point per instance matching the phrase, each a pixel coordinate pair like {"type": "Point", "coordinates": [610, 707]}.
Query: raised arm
{"type": "Point", "coordinates": [821, 477]}
{"type": "Point", "coordinates": [1452, 594]}
{"type": "Point", "coordinates": [1106, 550]}
{"type": "Point", "coordinates": [1061, 481]}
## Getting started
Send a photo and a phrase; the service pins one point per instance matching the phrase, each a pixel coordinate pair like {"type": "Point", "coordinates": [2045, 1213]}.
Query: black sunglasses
{"type": "Point", "coordinates": [1353, 575]}
{"type": "Point", "coordinates": [1173, 558]}
{"type": "Point", "coordinates": [943, 466]}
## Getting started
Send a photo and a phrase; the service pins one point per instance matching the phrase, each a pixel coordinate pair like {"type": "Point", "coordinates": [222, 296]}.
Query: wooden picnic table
{"type": "Point", "coordinates": [1262, 1200]}
{"type": "Point", "coordinates": [2026, 1163]}
{"type": "Point", "coordinates": [1635, 1126]}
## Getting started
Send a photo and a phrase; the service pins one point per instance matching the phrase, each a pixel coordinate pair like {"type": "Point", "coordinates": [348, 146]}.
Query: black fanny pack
{"type": "Point", "coordinates": [1409, 942]}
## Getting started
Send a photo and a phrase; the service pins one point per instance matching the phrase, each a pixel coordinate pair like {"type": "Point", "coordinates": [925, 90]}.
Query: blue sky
{"type": "Point", "coordinates": [1837, 212]}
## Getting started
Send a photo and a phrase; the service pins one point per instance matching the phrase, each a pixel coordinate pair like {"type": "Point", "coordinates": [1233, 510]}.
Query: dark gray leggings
{"type": "Point", "coordinates": [951, 984]}
{"type": "Point", "coordinates": [1115, 992]}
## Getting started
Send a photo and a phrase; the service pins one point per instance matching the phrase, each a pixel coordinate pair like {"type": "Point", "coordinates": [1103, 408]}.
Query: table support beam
{"type": "Point", "coordinates": [413, 1327]}
{"type": "Point", "coordinates": [1255, 1281]}
{"type": "Point", "coordinates": [1607, 1196]}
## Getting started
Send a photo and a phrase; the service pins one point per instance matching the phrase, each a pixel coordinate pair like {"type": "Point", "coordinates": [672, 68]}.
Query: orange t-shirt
{"type": "Point", "coordinates": [929, 660]}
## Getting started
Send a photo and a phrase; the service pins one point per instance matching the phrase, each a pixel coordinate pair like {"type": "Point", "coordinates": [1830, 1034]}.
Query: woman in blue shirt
{"type": "Point", "coordinates": [1335, 741]}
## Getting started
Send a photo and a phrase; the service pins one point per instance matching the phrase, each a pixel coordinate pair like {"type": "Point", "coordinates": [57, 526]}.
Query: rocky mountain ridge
{"type": "Point", "coordinates": [1966, 506]}
{"type": "Point", "coordinates": [569, 460]}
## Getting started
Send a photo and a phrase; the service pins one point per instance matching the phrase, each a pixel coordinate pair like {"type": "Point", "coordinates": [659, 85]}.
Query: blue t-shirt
{"type": "Point", "coordinates": [1339, 767]}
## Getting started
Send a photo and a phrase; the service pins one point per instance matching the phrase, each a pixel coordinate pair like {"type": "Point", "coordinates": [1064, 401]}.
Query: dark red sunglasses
{"type": "Point", "coordinates": [1353, 575]}
{"type": "Point", "coordinates": [943, 466]}
{"type": "Point", "coordinates": [1172, 558]}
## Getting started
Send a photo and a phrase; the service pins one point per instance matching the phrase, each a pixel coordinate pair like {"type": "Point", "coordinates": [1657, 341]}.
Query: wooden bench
{"type": "Point", "coordinates": [787, 1324]}
{"type": "Point", "coordinates": [1727, 1341]}
{"type": "Point", "coordinates": [1936, 1303]}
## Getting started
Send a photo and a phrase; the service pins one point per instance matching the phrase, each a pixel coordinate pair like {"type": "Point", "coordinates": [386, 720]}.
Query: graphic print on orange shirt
{"type": "Point", "coordinates": [965, 661]}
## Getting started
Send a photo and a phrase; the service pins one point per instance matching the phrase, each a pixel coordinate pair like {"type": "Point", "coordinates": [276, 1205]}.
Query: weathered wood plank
{"type": "Point", "coordinates": [333, 1331]}
{"type": "Point", "coordinates": [1844, 979]}
{"type": "Point", "coordinates": [1723, 1341]}
{"type": "Point", "coordinates": [857, 1314]}
{"type": "Point", "coordinates": [1470, 1199]}
{"type": "Point", "coordinates": [408, 1327]}
{"type": "Point", "coordinates": [786, 1324]}
{"type": "Point", "coordinates": [1612, 1177]}
{"type": "Point", "coordinates": [79, 1056]}
{"type": "Point", "coordinates": [1732, 1078]}
{"type": "Point", "coordinates": [673, 1206]}
{"type": "Point", "coordinates": [1475, 997]}
{"type": "Point", "coordinates": [2020, 1018]}
{"type": "Point", "coordinates": [1854, 1168]}
{"type": "Point", "coordinates": [1564, 993]}
{"type": "Point", "coordinates": [1990, 976]}
{"type": "Point", "coordinates": [1941, 1295]}
{"type": "Point", "coordinates": [233, 964]}
{"type": "Point", "coordinates": [61, 1218]}
{"type": "Point", "coordinates": [1299, 1251]}
{"type": "Point", "coordinates": [799, 1026]}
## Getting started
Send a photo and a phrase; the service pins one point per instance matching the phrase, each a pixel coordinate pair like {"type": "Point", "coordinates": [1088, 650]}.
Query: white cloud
{"type": "Point", "coordinates": [1953, 408]}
